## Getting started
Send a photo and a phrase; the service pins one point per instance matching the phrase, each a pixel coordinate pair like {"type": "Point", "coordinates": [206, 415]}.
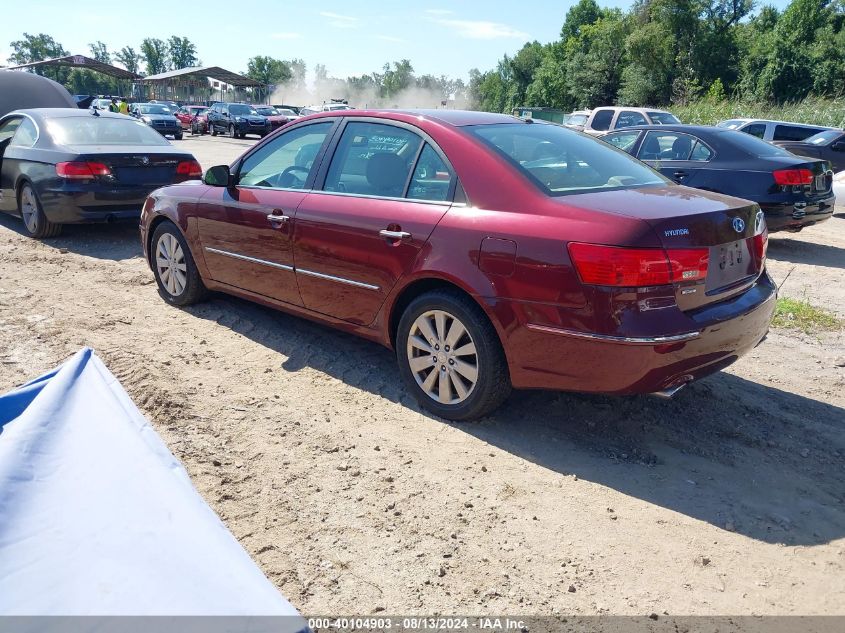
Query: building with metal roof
{"type": "Point", "coordinates": [80, 61]}
{"type": "Point", "coordinates": [203, 84]}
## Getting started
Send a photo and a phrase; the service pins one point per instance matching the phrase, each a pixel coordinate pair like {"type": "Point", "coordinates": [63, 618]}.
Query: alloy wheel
{"type": "Point", "coordinates": [170, 264]}
{"type": "Point", "coordinates": [29, 209]}
{"type": "Point", "coordinates": [442, 357]}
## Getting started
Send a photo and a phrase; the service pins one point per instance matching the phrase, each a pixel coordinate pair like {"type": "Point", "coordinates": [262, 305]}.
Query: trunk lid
{"type": "Point", "coordinates": [139, 169]}
{"type": "Point", "coordinates": [722, 227]}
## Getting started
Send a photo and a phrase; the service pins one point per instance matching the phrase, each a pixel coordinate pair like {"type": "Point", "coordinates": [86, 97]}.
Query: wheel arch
{"type": "Point", "coordinates": [427, 283]}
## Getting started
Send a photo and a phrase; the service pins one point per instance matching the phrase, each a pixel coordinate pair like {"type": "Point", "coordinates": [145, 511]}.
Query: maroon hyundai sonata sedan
{"type": "Point", "coordinates": [487, 251]}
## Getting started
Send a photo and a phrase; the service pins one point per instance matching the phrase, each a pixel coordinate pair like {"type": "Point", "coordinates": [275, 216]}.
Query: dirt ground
{"type": "Point", "coordinates": [729, 499]}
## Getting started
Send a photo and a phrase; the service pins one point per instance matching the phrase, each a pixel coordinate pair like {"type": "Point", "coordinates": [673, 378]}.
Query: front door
{"type": "Point", "coordinates": [8, 128]}
{"type": "Point", "coordinates": [245, 230]}
{"type": "Point", "coordinates": [384, 192]}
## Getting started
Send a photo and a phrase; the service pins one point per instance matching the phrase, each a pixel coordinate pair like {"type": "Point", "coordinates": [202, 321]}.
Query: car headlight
{"type": "Point", "coordinates": [238, 119]}
{"type": "Point", "coordinates": [146, 119]}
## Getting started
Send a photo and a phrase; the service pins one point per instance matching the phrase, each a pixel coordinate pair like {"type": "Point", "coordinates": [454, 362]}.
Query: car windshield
{"type": "Point", "coordinates": [754, 146]}
{"type": "Point", "coordinates": [562, 161]}
{"type": "Point", "coordinates": [241, 109]}
{"type": "Point", "coordinates": [823, 138]}
{"type": "Point", "coordinates": [731, 124]}
{"type": "Point", "coordinates": [102, 131]}
{"type": "Point", "coordinates": [267, 111]}
{"type": "Point", "coordinates": [286, 112]}
{"type": "Point", "coordinates": [153, 108]}
{"type": "Point", "coordinates": [576, 119]}
{"type": "Point", "coordinates": [663, 118]}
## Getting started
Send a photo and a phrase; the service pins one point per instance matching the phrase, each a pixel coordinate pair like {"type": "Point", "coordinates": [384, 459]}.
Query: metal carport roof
{"type": "Point", "coordinates": [213, 72]}
{"type": "Point", "coordinates": [81, 61]}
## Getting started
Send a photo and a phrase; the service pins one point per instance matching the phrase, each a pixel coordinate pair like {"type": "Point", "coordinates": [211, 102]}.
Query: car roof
{"type": "Point", "coordinates": [631, 109]}
{"type": "Point", "coordinates": [63, 113]}
{"type": "Point", "coordinates": [455, 118]}
{"type": "Point", "coordinates": [776, 121]}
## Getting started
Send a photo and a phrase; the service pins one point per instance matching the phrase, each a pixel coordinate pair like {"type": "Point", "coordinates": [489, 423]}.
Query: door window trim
{"type": "Point", "coordinates": [309, 182]}
{"type": "Point", "coordinates": [695, 139]}
{"type": "Point", "coordinates": [320, 181]}
{"type": "Point", "coordinates": [22, 115]}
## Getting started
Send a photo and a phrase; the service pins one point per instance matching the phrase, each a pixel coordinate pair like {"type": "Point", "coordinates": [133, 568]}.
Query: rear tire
{"type": "Point", "coordinates": [35, 222]}
{"type": "Point", "coordinates": [450, 356]}
{"type": "Point", "coordinates": [176, 273]}
{"type": "Point", "coordinates": [213, 131]}
{"type": "Point", "coordinates": [178, 136]}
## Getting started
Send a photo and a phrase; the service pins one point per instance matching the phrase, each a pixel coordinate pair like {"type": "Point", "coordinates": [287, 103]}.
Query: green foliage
{"type": "Point", "coordinates": [129, 58]}
{"type": "Point", "coordinates": [801, 315]}
{"type": "Point", "coordinates": [181, 52]}
{"type": "Point", "coordinates": [716, 92]}
{"type": "Point", "coordinates": [34, 48]}
{"type": "Point", "coordinates": [154, 54]}
{"type": "Point", "coordinates": [268, 70]}
{"type": "Point", "coordinates": [812, 110]}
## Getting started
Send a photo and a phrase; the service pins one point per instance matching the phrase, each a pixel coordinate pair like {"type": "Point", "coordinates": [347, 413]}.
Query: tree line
{"type": "Point", "coordinates": [672, 52]}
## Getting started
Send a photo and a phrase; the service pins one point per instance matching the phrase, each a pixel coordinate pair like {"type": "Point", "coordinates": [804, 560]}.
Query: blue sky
{"type": "Point", "coordinates": [349, 38]}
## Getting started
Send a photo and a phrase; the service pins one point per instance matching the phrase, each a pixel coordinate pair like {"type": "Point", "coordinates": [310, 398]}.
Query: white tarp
{"type": "Point", "coordinates": [97, 517]}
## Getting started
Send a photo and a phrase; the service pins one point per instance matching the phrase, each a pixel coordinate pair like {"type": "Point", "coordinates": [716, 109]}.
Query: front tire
{"type": "Point", "coordinates": [450, 356]}
{"type": "Point", "coordinates": [179, 281]}
{"type": "Point", "coordinates": [232, 132]}
{"type": "Point", "coordinates": [35, 222]}
{"type": "Point", "coordinates": [213, 131]}
{"type": "Point", "coordinates": [178, 136]}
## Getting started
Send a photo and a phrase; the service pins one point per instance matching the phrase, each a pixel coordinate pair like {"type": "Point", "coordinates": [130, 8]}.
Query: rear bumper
{"type": "Point", "coordinates": [788, 216]}
{"type": "Point", "coordinates": [85, 207]}
{"type": "Point", "coordinates": [548, 357]}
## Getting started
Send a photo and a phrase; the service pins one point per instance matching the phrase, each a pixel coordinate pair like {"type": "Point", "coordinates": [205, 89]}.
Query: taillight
{"type": "Point", "coordinates": [189, 168]}
{"type": "Point", "coordinates": [759, 244]}
{"type": "Point", "coordinates": [787, 177]}
{"type": "Point", "coordinates": [82, 170]}
{"type": "Point", "coordinates": [602, 265]}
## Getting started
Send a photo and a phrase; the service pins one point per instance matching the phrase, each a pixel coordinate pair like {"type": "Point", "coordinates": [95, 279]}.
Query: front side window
{"type": "Point", "coordinates": [666, 146]}
{"type": "Point", "coordinates": [373, 159]}
{"type": "Point", "coordinates": [26, 134]}
{"type": "Point", "coordinates": [623, 140]}
{"type": "Point", "coordinates": [602, 119]}
{"type": "Point", "coordinates": [562, 161]}
{"type": "Point", "coordinates": [628, 118]}
{"type": "Point", "coordinates": [755, 129]}
{"type": "Point", "coordinates": [287, 161]}
{"type": "Point", "coordinates": [663, 118]}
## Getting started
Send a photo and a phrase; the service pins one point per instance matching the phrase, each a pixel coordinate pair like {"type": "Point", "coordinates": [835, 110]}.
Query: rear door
{"type": "Point", "coordinates": [384, 191]}
{"type": "Point", "coordinates": [7, 176]}
{"type": "Point", "coordinates": [245, 231]}
{"type": "Point", "coordinates": [678, 156]}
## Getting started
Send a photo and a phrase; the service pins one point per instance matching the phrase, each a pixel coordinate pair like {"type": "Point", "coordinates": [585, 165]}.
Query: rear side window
{"type": "Point", "coordinates": [628, 118]}
{"type": "Point", "coordinates": [8, 129]}
{"type": "Point", "coordinates": [623, 140]}
{"type": "Point", "coordinates": [562, 161]}
{"type": "Point", "coordinates": [755, 129]}
{"type": "Point", "coordinates": [701, 152]}
{"type": "Point", "coordinates": [431, 178]}
{"type": "Point", "coordinates": [602, 119]}
{"type": "Point", "coordinates": [792, 133]}
{"type": "Point", "coordinates": [26, 134]}
{"type": "Point", "coordinates": [373, 159]}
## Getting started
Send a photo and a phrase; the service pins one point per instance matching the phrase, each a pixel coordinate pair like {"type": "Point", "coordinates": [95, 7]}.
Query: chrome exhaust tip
{"type": "Point", "coordinates": [667, 393]}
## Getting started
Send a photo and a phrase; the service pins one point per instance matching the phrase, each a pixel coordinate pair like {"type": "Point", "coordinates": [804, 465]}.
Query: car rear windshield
{"type": "Point", "coordinates": [731, 124]}
{"type": "Point", "coordinates": [241, 109]}
{"type": "Point", "coordinates": [102, 131]}
{"type": "Point", "coordinates": [576, 119]}
{"type": "Point", "coordinates": [153, 108]}
{"type": "Point", "coordinates": [823, 138]}
{"type": "Point", "coordinates": [754, 146]}
{"type": "Point", "coordinates": [564, 162]}
{"type": "Point", "coordinates": [663, 118]}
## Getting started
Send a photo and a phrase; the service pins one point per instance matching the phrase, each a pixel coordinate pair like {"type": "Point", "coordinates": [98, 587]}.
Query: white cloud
{"type": "Point", "coordinates": [439, 11]}
{"type": "Point", "coordinates": [286, 36]}
{"type": "Point", "coordinates": [389, 38]}
{"type": "Point", "coordinates": [340, 21]}
{"type": "Point", "coordinates": [482, 30]}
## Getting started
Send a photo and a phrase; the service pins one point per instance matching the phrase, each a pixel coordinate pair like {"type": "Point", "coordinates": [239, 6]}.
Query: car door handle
{"type": "Point", "coordinates": [681, 174]}
{"type": "Point", "coordinates": [395, 235]}
{"type": "Point", "coordinates": [277, 218]}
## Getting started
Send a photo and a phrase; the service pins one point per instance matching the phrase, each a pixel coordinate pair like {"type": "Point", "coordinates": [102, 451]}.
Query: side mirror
{"type": "Point", "coordinates": [838, 146]}
{"type": "Point", "coordinates": [218, 176]}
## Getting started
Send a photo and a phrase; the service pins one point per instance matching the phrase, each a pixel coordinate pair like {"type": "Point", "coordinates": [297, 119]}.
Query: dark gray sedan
{"type": "Point", "coordinates": [64, 166]}
{"type": "Point", "coordinates": [828, 145]}
{"type": "Point", "coordinates": [159, 117]}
